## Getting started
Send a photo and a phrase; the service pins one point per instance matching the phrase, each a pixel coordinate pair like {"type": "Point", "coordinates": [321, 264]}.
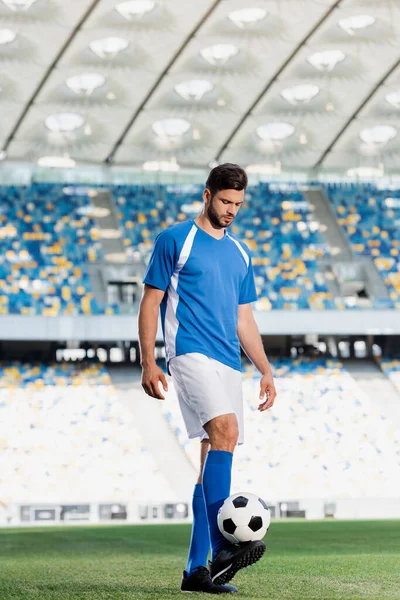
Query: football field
{"type": "Point", "coordinates": [304, 560]}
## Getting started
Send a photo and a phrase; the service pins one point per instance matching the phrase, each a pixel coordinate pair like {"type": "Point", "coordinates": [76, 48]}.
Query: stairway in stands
{"type": "Point", "coordinates": [158, 437]}
{"type": "Point", "coordinates": [376, 386]}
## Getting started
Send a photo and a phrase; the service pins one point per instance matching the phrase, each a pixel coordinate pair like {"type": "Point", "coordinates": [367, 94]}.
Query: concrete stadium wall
{"type": "Point", "coordinates": [124, 328]}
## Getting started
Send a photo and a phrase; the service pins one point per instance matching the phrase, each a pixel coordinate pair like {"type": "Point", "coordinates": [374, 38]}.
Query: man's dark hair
{"type": "Point", "coordinates": [226, 177]}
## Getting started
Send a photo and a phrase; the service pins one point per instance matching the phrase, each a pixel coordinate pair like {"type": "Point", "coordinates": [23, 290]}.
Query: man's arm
{"type": "Point", "coordinates": [250, 341]}
{"type": "Point", "coordinates": [148, 323]}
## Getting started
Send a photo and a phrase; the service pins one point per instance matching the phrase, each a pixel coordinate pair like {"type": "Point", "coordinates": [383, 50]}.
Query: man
{"type": "Point", "coordinates": [202, 278]}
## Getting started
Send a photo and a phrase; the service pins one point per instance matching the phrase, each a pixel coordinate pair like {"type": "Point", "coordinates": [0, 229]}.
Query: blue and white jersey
{"type": "Point", "coordinates": [204, 280]}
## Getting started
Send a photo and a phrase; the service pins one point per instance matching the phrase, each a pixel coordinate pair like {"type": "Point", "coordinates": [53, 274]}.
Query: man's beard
{"type": "Point", "coordinates": [214, 218]}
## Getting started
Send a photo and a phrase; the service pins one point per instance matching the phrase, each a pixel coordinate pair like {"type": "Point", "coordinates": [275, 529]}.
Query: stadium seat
{"type": "Point", "coordinates": [337, 443]}
{"type": "Point", "coordinates": [66, 437]}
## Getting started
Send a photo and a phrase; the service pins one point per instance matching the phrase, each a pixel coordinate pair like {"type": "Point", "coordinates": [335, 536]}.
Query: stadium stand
{"type": "Point", "coordinates": [286, 271]}
{"type": "Point", "coordinates": [337, 443]}
{"type": "Point", "coordinates": [66, 437]}
{"type": "Point", "coordinates": [47, 237]}
{"type": "Point", "coordinates": [370, 217]}
{"type": "Point", "coordinates": [391, 368]}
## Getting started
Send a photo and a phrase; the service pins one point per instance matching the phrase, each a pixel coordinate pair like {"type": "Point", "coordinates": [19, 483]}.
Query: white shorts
{"type": "Point", "coordinates": [206, 389]}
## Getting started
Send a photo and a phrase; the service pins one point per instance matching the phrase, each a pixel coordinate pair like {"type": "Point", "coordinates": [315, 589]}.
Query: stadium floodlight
{"type": "Point", "coordinates": [18, 5]}
{"type": "Point", "coordinates": [219, 54]}
{"type": "Point", "coordinates": [380, 134]}
{"type": "Point", "coordinates": [275, 131]}
{"type": "Point", "coordinates": [135, 9]}
{"type": "Point", "coordinates": [247, 16]}
{"type": "Point", "coordinates": [172, 127]}
{"type": "Point", "coordinates": [7, 36]}
{"type": "Point", "coordinates": [62, 122]}
{"type": "Point", "coordinates": [3, 154]}
{"type": "Point", "coordinates": [393, 98]}
{"type": "Point", "coordinates": [326, 60]}
{"type": "Point", "coordinates": [352, 24]}
{"type": "Point", "coordinates": [163, 165]}
{"type": "Point", "coordinates": [57, 162]}
{"type": "Point", "coordinates": [300, 94]}
{"type": "Point", "coordinates": [365, 172]}
{"type": "Point", "coordinates": [85, 83]}
{"type": "Point", "coordinates": [194, 89]}
{"type": "Point", "coordinates": [264, 169]}
{"type": "Point", "coordinates": [108, 47]}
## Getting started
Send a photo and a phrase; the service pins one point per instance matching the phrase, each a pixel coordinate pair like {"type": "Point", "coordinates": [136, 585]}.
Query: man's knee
{"type": "Point", "coordinates": [223, 432]}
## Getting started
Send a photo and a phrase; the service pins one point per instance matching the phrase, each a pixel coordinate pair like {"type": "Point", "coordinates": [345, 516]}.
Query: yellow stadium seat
{"type": "Point", "coordinates": [66, 293]}
{"type": "Point", "coordinates": [85, 305]}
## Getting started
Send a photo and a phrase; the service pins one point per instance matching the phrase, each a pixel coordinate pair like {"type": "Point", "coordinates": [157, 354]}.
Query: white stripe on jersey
{"type": "Point", "coordinates": [244, 254]}
{"type": "Point", "coordinates": [171, 323]}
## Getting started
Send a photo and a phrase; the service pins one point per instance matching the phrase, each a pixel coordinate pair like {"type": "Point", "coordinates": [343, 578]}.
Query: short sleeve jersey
{"type": "Point", "coordinates": [204, 280]}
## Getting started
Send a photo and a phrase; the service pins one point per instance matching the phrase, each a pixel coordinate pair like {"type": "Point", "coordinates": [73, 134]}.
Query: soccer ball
{"type": "Point", "coordinates": [243, 518]}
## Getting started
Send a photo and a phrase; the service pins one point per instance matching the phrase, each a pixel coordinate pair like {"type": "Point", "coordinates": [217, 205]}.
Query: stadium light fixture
{"type": "Point", "coordinates": [7, 36]}
{"type": "Point", "coordinates": [108, 47]}
{"type": "Point", "coordinates": [326, 60]}
{"type": "Point", "coordinates": [86, 83]}
{"type": "Point", "coordinates": [3, 154]}
{"type": "Point", "coordinates": [247, 16]}
{"type": "Point", "coordinates": [352, 24]}
{"type": "Point", "coordinates": [264, 169]}
{"type": "Point", "coordinates": [365, 172]}
{"type": "Point", "coordinates": [135, 9]}
{"type": "Point", "coordinates": [393, 98]}
{"type": "Point", "coordinates": [57, 162]}
{"type": "Point", "coordinates": [300, 94]}
{"type": "Point", "coordinates": [275, 131]}
{"type": "Point", "coordinates": [194, 89]}
{"type": "Point", "coordinates": [62, 122]}
{"type": "Point", "coordinates": [164, 166]}
{"type": "Point", "coordinates": [380, 134]}
{"type": "Point", "coordinates": [18, 5]}
{"type": "Point", "coordinates": [219, 54]}
{"type": "Point", "coordinates": [171, 127]}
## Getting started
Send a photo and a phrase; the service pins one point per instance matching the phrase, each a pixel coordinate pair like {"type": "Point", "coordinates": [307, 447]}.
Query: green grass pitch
{"type": "Point", "coordinates": [304, 560]}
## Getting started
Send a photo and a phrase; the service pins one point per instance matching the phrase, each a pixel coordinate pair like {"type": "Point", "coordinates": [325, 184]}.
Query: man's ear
{"type": "Point", "coordinates": [206, 195]}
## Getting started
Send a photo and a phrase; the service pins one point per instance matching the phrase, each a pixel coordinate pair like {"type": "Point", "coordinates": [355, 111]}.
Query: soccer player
{"type": "Point", "coordinates": [201, 277]}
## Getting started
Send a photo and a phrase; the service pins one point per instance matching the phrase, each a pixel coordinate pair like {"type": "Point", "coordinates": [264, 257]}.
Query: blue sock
{"type": "Point", "coordinates": [200, 540]}
{"type": "Point", "coordinates": [216, 488]}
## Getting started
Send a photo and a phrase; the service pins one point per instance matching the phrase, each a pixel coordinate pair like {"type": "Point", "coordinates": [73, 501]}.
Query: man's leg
{"type": "Point", "coordinates": [196, 577]}
{"type": "Point", "coordinates": [200, 539]}
{"type": "Point", "coordinates": [223, 434]}
{"type": "Point", "coordinates": [227, 559]}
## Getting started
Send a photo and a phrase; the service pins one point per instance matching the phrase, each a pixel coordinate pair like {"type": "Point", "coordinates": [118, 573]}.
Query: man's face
{"type": "Point", "coordinates": [223, 207]}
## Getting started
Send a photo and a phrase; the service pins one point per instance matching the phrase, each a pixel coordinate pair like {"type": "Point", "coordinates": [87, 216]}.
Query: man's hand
{"type": "Point", "coordinates": [151, 376]}
{"type": "Point", "coordinates": [267, 391]}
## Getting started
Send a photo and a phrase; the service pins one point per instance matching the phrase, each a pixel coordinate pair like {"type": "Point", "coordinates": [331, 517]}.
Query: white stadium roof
{"type": "Point", "coordinates": [288, 84]}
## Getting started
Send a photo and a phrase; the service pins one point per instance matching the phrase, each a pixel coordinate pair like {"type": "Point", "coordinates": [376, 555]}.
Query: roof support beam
{"type": "Point", "coordinates": [278, 73]}
{"type": "Point", "coordinates": [49, 71]}
{"type": "Point", "coordinates": [355, 114]}
{"type": "Point", "coordinates": [159, 79]}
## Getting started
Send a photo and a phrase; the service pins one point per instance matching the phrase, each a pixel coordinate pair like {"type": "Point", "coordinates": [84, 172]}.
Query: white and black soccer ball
{"type": "Point", "coordinates": [243, 517]}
